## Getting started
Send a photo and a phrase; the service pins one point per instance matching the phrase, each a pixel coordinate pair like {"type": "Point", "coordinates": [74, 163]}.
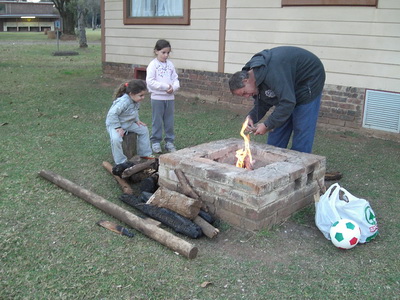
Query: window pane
{"type": "Point", "coordinates": [157, 8]}
{"type": "Point", "coordinates": [157, 12]}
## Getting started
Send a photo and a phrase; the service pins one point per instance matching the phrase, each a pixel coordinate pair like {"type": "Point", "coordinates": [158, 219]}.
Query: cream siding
{"type": "Point", "coordinates": [193, 47]}
{"type": "Point", "coordinates": [359, 46]}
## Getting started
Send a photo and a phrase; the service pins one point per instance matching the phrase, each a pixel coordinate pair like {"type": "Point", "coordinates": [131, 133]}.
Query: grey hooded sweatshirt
{"type": "Point", "coordinates": [123, 112]}
{"type": "Point", "coordinates": [285, 77]}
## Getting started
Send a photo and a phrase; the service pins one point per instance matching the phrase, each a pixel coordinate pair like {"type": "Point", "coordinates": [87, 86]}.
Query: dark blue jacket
{"type": "Point", "coordinates": [285, 77]}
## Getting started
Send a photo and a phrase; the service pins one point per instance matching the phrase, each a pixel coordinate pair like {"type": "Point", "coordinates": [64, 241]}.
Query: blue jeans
{"type": "Point", "coordinates": [302, 123]}
{"type": "Point", "coordinates": [142, 146]}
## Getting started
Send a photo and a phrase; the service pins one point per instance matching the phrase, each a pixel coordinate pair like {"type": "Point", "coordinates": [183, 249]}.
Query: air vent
{"type": "Point", "coordinates": [382, 111]}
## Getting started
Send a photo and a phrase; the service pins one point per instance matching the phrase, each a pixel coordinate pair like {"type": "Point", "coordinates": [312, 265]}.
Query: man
{"type": "Point", "coordinates": [291, 79]}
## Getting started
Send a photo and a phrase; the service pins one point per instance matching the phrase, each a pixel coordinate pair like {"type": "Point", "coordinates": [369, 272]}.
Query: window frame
{"type": "Point", "coordinates": [330, 3]}
{"type": "Point", "coordinates": [129, 20]}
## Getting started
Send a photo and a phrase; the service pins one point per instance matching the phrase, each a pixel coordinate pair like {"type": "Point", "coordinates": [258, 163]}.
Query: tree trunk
{"type": "Point", "coordinates": [152, 231]}
{"type": "Point", "coordinates": [122, 182]}
{"type": "Point", "coordinates": [81, 28]}
{"type": "Point", "coordinates": [183, 205]}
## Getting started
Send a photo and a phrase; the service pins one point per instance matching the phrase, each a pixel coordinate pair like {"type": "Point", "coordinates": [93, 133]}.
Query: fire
{"type": "Point", "coordinates": [244, 157]}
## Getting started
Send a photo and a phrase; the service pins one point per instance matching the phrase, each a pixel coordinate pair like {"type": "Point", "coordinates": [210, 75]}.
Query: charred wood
{"type": "Point", "coordinates": [126, 188]}
{"type": "Point", "coordinates": [151, 163]}
{"type": "Point", "coordinates": [149, 184]}
{"type": "Point", "coordinates": [166, 216]}
{"type": "Point", "coordinates": [164, 237]}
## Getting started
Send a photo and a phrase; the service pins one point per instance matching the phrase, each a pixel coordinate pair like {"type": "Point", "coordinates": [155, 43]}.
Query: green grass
{"type": "Point", "coordinates": [52, 114]}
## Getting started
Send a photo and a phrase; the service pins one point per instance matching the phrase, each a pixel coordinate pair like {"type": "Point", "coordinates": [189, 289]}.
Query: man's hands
{"type": "Point", "coordinates": [258, 129]}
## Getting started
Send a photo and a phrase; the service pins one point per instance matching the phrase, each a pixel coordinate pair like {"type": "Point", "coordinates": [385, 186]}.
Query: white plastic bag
{"type": "Point", "coordinates": [337, 203]}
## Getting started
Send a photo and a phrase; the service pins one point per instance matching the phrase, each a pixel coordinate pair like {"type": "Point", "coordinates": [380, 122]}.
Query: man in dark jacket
{"type": "Point", "coordinates": [291, 79]}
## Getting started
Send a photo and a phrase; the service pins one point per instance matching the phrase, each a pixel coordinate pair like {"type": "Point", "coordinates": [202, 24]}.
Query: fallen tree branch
{"type": "Point", "coordinates": [122, 182]}
{"type": "Point", "coordinates": [208, 230]}
{"type": "Point", "coordinates": [164, 237]}
{"type": "Point", "coordinates": [139, 167]}
{"type": "Point", "coordinates": [186, 189]}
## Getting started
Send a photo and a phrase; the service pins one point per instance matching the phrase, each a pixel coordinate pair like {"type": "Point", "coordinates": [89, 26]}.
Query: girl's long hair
{"type": "Point", "coordinates": [134, 86]}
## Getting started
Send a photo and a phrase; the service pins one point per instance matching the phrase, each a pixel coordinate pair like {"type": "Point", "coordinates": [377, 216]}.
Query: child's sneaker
{"type": "Point", "coordinates": [120, 168]}
{"type": "Point", "coordinates": [170, 147]}
{"type": "Point", "coordinates": [156, 148]}
{"type": "Point", "coordinates": [151, 156]}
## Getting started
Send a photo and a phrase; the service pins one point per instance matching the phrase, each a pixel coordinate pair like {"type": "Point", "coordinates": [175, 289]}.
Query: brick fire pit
{"type": "Point", "coordinates": [282, 182]}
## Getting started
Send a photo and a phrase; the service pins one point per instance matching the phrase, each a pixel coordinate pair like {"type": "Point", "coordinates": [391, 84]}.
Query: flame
{"type": "Point", "coordinates": [241, 154]}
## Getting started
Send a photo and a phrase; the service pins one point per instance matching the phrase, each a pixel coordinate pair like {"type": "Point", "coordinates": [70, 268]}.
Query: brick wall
{"type": "Point", "coordinates": [341, 106]}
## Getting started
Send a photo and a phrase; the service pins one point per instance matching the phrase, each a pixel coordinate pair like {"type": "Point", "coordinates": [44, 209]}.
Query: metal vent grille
{"type": "Point", "coordinates": [382, 111]}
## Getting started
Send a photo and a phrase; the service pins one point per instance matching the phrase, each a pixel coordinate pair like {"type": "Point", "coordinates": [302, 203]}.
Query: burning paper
{"type": "Point", "coordinates": [244, 157]}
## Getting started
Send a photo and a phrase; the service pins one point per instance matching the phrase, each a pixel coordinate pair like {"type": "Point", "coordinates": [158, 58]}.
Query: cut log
{"type": "Point", "coordinates": [164, 237]}
{"type": "Point", "coordinates": [185, 206]}
{"type": "Point", "coordinates": [208, 230]}
{"type": "Point", "coordinates": [185, 187]}
{"type": "Point", "coordinates": [177, 222]}
{"type": "Point", "coordinates": [151, 163]}
{"type": "Point", "coordinates": [122, 182]}
{"type": "Point", "coordinates": [330, 176]}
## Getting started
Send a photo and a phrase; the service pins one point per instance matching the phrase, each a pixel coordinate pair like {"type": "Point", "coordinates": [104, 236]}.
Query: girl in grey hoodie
{"type": "Point", "coordinates": [123, 117]}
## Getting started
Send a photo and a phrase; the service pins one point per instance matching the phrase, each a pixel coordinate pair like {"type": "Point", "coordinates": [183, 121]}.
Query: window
{"type": "Point", "coordinates": [157, 12]}
{"type": "Point", "coordinates": [330, 2]}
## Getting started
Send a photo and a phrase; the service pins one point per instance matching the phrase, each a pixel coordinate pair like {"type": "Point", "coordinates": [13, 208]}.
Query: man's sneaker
{"type": "Point", "coordinates": [170, 147]}
{"type": "Point", "coordinates": [156, 148]}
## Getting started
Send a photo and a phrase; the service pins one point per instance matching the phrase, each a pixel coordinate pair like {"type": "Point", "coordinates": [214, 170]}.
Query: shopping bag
{"type": "Point", "coordinates": [325, 210]}
{"type": "Point", "coordinates": [359, 210]}
{"type": "Point", "coordinates": [337, 203]}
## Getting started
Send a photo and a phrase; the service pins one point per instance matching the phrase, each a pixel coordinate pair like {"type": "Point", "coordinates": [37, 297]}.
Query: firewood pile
{"type": "Point", "coordinates": [181, 210]}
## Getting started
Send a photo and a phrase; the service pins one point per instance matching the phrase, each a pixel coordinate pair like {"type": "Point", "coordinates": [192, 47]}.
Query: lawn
{"type": "Point", "coordinates": [52, 117]}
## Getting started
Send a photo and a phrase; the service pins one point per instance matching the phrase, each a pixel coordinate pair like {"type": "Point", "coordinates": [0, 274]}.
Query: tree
{"type": "Point", "coordinates": [82, 12]}
{"type": "Point", "coordinates": [67, 10]}
{"type": "Point", "coordinates": [94, 10]}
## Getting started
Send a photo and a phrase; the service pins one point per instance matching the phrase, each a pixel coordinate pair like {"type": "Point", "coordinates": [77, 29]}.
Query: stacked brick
{"type": "Point", "coordinates": [282, 182]}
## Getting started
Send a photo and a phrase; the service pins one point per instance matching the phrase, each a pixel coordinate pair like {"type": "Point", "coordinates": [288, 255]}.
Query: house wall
{"type": "Point", "coordinates": [359, 46]}
{"type": "Point", "coordinates": [193, 47]}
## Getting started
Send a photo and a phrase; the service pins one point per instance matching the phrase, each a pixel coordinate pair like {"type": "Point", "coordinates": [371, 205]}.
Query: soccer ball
{"type": "Point", "coordinates": [345, 234]}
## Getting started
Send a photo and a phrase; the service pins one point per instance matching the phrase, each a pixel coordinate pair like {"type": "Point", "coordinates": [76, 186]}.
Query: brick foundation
{"type": "Point", "coordinates": [282, 182]}
{"type": "Point", "coordinates": [340, 107]}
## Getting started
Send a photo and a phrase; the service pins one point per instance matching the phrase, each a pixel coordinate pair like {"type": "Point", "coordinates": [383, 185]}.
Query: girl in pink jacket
{"type": "Point", "coordinates": [162, 82]}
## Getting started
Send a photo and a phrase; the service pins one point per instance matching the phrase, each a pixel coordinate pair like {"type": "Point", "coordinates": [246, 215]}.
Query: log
{"type": "Point", "coordinates": [122, 182]}
{"type": "Point", "coordinates": [185, 187]}
{"type": "Point", "coordinates": [179, 203]}
{"type": "Point", "coordinates": [177, 222]}
{"type": "Point", "coordinates": [138, 167]}
{"type": "Point", "coordinates": [208, 230]}
{"type": "Point", "coordinates": [164, 237]}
